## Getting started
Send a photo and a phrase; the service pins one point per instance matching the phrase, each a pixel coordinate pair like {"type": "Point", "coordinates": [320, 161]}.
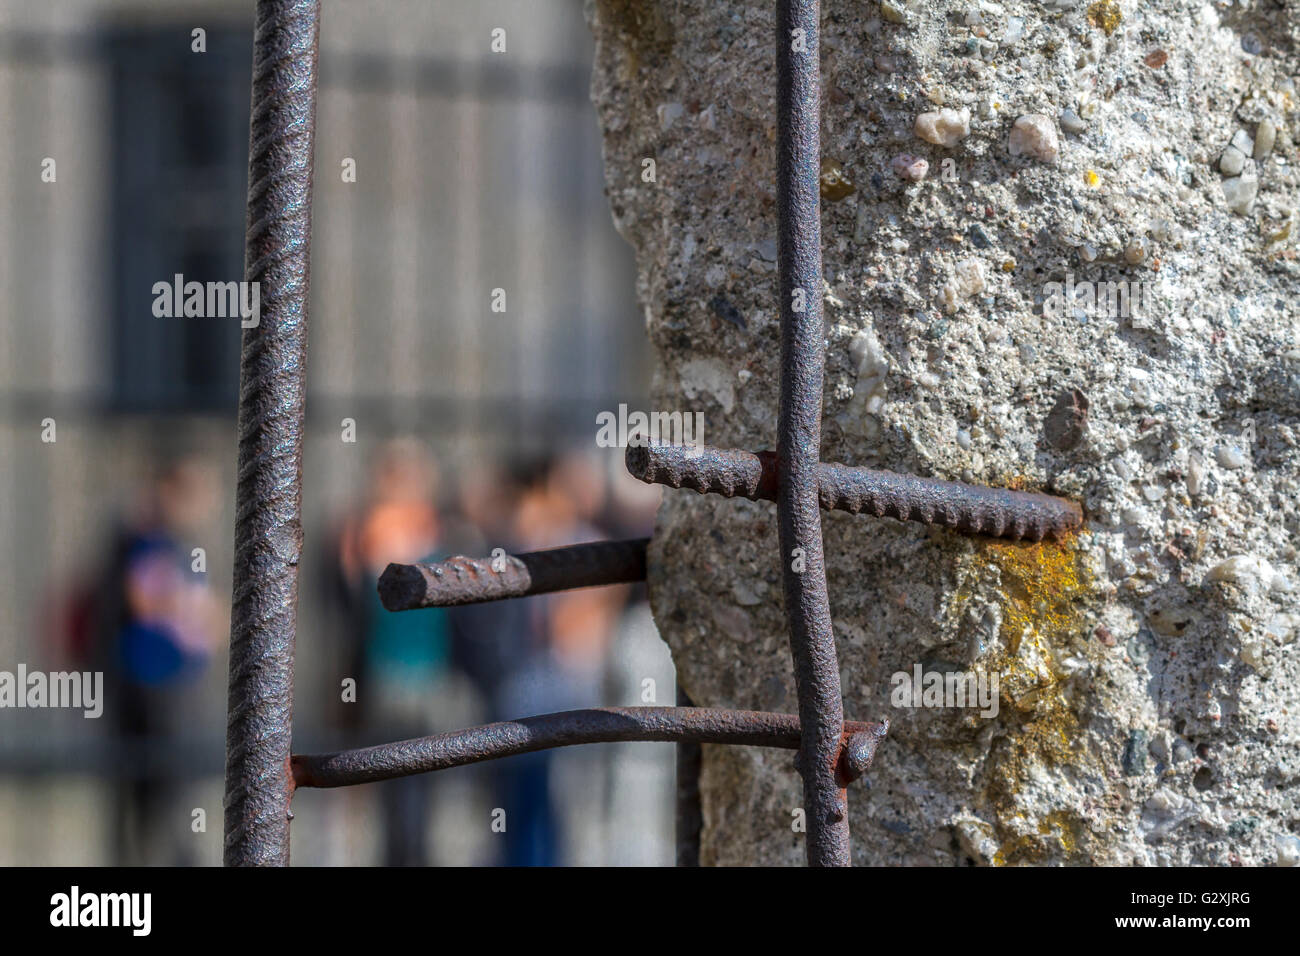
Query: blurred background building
{"type": "Point", "coordinates": [475, 171]}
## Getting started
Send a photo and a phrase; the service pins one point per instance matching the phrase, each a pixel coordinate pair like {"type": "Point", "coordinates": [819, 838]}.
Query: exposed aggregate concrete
{"type": "Point", "coordinates": [1149, 670]}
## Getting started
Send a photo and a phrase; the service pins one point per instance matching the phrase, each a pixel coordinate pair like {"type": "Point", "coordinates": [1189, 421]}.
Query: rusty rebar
{"type": "Point", "coordinates": [461, 580]}
{"type": "Point", "coordinates": [969, 509]}
{"type": "Point", "coordinates": [567, 729]}
{"type": "Point", "coordinates": [689, 812]}
{"type": "Point", "coordinates": [859, 750]}
{"type": "Point", "coordinates": [799, 267]}
{"type": "Point", "coordinates": [268, 493]}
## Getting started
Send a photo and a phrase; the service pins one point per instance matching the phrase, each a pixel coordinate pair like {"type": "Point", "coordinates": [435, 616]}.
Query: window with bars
{"type": "Point", "coordinates": [179, 174]}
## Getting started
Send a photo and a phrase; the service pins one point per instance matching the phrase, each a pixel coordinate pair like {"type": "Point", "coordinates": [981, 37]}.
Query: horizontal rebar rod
{"type": "Point", "coordinates": [460, 580]}
{"type": "Point", "coordinates": [597, 725]}
{"type": "Point", "coordinates": [970, 509]}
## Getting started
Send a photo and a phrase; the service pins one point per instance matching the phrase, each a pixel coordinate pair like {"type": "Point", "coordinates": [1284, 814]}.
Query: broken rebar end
{"type": "Point", "coordinates": [860, 750]}
{"type": "Point", "coordinates": [637, 460]}
{"type": "Point", "coordinates": [1069, 523]}
{"type": "Point", "coordinates": [401, 587]}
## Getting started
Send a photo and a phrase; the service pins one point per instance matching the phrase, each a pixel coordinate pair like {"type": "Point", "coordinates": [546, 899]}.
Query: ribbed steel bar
{"type": "Point", "coordinates": [799, 267]}
{"type": "Point", "coordinates": [460, 580]}
{"type": "Point", "coordinates": [598, 725]}
{"type": "Point", "coordinates": [268, 529]}
{"type": "Point", "coordinates": [970, 509]}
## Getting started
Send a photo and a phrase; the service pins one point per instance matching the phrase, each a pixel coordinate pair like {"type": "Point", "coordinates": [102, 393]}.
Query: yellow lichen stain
{"type": "Point", "coordinates": [1060, 826]}
{"type": "Point", "coordinates": [1041, 592]}
{"type": "Point", "coordinates": [1105, 14]}
{"type": "Point", "coordinates": [1041, 582]}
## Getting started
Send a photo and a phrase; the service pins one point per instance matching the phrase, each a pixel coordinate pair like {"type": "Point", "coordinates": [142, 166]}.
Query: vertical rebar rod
{"type": "Point", "coordinates": [812, 642]}
{"type": "Point", "coordinates": [690, 817]}
{"type": "Point", "coordinates": [268, 494]}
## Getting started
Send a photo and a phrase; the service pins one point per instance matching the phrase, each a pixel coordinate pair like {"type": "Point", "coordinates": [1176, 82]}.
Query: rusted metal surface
{"type": "Point", "coordinates": [860, 751]}
{"type": "Point", "coordinates": [799, 268]}
{"type": "Point", "coordinates": [268, 528]}
{"type": "Point", "coordinates": [710, 471]}
{"type": "Point", "coordinates": [460, 580]}
{"type": "Point", "coordinates": [969, 509]}
{"type": "Point", "coordinates": [689, 815]}
{"type": "Point", "coordinates": [570, 728]}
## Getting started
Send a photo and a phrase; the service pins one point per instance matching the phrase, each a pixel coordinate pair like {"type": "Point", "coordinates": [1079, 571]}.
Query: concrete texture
{"type": "Point", "coordinates": [1148, 668]}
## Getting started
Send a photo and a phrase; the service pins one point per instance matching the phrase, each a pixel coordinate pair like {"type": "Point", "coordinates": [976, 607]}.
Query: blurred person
{"type": "Point", "coordinates": [540, 654]}
{"type": "Point", "coordinates": [159, 626]}
{"type": "Point", "coordinates": [641, 779]}
{"type": "Point", "coordinates": [402, 658]}
{"type": "Point", "coordinates": [489, 640]}
{"type": "Point", "coordinates": [504, 647]}
{"type": "Point", "coordinates": [582, 622]}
